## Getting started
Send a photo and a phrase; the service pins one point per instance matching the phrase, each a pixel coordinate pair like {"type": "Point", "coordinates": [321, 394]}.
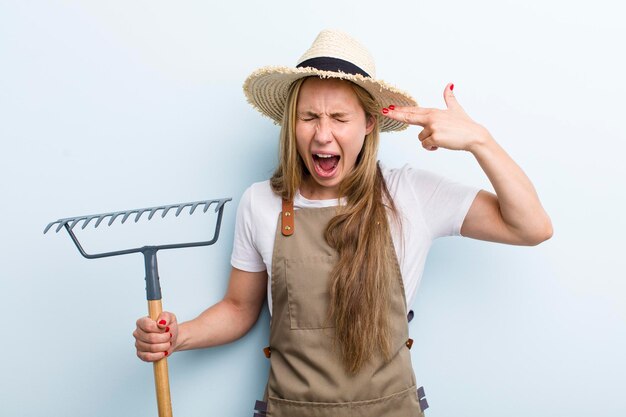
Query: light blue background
{"type": "Point", "coordinates": [121, 104]}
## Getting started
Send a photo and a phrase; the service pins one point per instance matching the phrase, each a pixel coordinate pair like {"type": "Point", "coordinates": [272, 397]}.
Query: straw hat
{"type": "Point", "coordinates": [333, 54]}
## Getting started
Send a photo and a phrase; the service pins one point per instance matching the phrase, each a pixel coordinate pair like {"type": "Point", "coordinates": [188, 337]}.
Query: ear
{"type": "Point", "coordinates": [369, 125]}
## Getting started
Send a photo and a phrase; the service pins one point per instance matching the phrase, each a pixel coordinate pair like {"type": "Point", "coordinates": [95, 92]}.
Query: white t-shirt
{"type": "Point", "coordinates": [429, 205]}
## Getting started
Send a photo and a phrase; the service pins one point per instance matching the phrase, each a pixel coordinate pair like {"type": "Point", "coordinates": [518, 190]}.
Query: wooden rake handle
{"type": "Point", "coordinates": [161, 378]}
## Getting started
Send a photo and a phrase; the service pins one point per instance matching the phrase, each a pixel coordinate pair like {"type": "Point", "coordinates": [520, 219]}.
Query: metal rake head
{"type": "Point", "coordinates": [71, 222]}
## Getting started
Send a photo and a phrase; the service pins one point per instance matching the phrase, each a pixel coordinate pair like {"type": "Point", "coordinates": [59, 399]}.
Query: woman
{"type": "Point", "coordinates": [342, 240]}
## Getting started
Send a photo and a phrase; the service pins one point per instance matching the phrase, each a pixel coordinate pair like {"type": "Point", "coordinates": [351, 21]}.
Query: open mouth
{"type": "Point", "coordinates": [325, 164]}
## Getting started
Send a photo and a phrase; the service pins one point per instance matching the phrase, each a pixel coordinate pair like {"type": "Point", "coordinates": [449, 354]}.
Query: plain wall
{"type": "Point", "coordinates": [117, 105]}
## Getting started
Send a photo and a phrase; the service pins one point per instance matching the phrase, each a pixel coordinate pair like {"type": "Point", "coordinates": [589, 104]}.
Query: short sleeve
{"type": "Point", "coordinates": [441, 202]}
{"type": "Point", "coordinates": [445, 203]}
{"type": "Point", "coordinates": [245, 255]}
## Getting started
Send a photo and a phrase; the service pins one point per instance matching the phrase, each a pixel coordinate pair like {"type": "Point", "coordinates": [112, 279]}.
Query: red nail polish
{"type": "Point", "coordinates": [167, 329]}
{"type": "Point", "coordinates": [162, 322]}
{"type": "Point", "coordinates": [385, 110]}
{"type": "Point", "coordinates": [171, 336]}
{"type": "Point", "coordinates": [166, 353]}
{"type": "Point", "coordinates": [392, 107]}
{"type": "Point", "coordinates": [451, 87]}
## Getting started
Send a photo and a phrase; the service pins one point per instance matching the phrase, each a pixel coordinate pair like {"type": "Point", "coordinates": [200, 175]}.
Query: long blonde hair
{"type": "Point", "coordinates": [360, 281]}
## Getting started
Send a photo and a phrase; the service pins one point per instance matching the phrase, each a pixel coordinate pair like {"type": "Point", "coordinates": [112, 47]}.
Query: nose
{"type": "Point", "coordinates": [323, 131]}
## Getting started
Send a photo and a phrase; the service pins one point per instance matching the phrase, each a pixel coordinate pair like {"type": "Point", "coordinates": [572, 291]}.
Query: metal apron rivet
{"type": "Point", "coordinates": [267, 351]}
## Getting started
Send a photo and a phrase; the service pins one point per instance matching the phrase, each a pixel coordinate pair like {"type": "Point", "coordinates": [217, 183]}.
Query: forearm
{"type": "Point", "coordinates": [220, 324]}
{"type": "Point", "coordinates": [519, 204]}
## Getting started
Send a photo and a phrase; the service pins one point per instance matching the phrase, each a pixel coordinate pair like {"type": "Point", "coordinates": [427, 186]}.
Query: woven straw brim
{"type": "Point", "coordinates": [266, 90]}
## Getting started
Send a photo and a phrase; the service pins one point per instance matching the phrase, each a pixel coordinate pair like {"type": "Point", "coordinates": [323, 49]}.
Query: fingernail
{"type": "Point", "coordinates": [392, 107]}
{"type": "Point", "coordinates": [451, 87]}
{"type": "Point", "coordinates": [166, 353]}
{"type": "Point", "coordinates": [167, 329]}
{"type": "Point", "coordinates": [162, 322]}
{"type": "Point", "coordinates": [385, 110]}
{"type": "Point", "coordinates": [171, 336]}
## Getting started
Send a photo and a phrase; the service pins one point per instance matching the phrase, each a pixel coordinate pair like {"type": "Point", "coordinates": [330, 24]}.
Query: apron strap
{"type": "Point", "coordinates": [287, 224]}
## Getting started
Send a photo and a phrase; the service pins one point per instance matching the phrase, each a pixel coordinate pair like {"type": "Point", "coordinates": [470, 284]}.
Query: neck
{"type": "Point", "coordinates": [311, 190]}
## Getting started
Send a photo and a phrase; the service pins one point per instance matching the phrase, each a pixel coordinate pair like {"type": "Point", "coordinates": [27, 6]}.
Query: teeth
{"type": "Point", "coordinates": [320, 155]}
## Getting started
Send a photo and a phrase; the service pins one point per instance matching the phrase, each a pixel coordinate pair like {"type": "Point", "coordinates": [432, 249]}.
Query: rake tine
{"type": "Point", "coordinates": [115, 216]}
{"type": "Point", "coordinates": [194, 207]}
{"type": "Point", "coordinates": [89, 219]}
{"type": "Point", "coordinates": [168, 208]}
{"type": "Point", "coordinates": [206, 206]}
{"type": "Point", "coordinates": [181, 207]}
{"type": "Point", "coordinates": [75, 221]}
{"type": "Point", "coordinates": [61, 224]}
{"type": "Point", "coordinates": [100, 218]}
{"type": "Point", "coordinates": [153, 211]}
{"type": "Point", "coordinates": [49, 226]}
{"type": "Point", "coordinates": [139, 213]}
{"type": "Point", "coordinates": [221, 203]}
{"type": "Point", "coordinates": [127, 215]}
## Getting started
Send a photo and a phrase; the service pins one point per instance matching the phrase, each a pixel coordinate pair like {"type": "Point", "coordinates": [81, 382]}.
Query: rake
{"type": "Point", "coordinates": [153, 287]}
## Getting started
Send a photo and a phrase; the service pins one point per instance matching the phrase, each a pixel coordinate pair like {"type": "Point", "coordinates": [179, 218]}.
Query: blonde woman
{"type": "Point", "coordinates": [337, 243]}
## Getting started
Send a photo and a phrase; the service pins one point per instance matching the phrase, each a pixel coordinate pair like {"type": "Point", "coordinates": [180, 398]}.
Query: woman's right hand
{"type": "Point", "coordinates": [156, 339]}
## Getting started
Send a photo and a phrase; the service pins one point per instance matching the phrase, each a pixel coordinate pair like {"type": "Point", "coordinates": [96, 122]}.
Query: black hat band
{"type": "Point", "coordinates": [325, 63]}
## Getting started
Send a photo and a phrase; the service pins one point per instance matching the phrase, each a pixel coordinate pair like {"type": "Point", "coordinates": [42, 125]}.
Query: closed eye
{"type": "Point", "coordinates": [341, 117]}
{"type": "Point", "coordinates": [307, 117]}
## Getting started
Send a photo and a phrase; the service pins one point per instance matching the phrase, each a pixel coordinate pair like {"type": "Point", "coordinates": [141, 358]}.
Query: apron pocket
{"type": "Point", "coordinates": [307, 291]}
{"type": "Point", "coordinates": [401, 404]}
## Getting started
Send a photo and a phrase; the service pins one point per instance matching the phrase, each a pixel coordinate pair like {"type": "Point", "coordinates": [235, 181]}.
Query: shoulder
{"type": "Point", "coordinates": [260, 196]}
{"type": "Point", "coordinates": [259, 206]}
{"type": "Point", "coordinates": [257, 211]}
{"type": "Point", "coordinates": [408, 178]}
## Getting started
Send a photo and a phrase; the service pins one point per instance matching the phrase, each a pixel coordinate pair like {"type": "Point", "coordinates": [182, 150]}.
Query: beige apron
{"type": "Point", "coordinates": [307, 376]}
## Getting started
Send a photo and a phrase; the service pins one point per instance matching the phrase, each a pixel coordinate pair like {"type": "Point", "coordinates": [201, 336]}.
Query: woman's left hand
{"type": "Point", "coordinates": [451, 128]}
